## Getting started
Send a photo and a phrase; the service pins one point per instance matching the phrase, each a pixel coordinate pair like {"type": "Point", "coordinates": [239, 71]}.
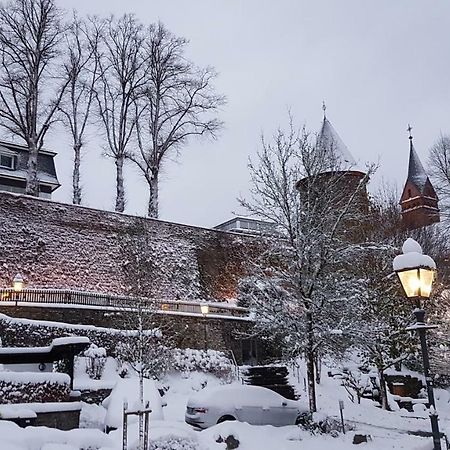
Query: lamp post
{"type": "Point", "coordinates": [204, 307]}
{"type": "Point", "coordinates": [18, 285]}
{"type": "Point", "coordinates": [416, 273]}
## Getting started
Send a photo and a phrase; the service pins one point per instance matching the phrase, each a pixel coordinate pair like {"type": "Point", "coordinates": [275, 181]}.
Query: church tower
{"type": "Point", "coordinates": [419, 201]}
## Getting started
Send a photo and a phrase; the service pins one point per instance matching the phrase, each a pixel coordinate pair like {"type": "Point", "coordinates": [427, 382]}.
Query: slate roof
{"type": "Point", "coordinates": [416, 171]}
{"type": "Point", "coordinates": [46, 164]}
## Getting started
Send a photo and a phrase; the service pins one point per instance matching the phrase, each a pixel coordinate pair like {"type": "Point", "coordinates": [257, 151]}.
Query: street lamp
{"type": "Point", "coordinates": [18, 285]}
{"type": "Point", "coordinates": [416, 273]}
{"type": "Point", "coordinates": [204, 308]}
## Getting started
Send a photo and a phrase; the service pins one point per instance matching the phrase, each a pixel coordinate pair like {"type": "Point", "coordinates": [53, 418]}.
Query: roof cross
{"type": "Point", "coordinates": [409, 129]}
{"type": "Point", "coordinates": [324, 107]}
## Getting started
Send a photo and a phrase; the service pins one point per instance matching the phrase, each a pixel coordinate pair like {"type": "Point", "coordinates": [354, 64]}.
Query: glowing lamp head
{"type": "Point", "coordinates": [205, 309]}
{"type": "Point", "coordinates": [417, 282]}
{"type": "Point", "coordinates": [415, 270]}
{"type": "Point", "coordinates": [18, 282]}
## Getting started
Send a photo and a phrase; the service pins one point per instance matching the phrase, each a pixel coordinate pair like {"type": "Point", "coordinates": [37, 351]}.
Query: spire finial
{"type": "Point", "coordinates": [409, 129]}
{"type": "Point", "coordinates": [324, 107]}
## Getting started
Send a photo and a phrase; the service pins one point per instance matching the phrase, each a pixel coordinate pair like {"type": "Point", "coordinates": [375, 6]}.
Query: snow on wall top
{"type": "Point", "coordinates": [412, 257]}
{"type": "Point", "coordinates": [416, 171]}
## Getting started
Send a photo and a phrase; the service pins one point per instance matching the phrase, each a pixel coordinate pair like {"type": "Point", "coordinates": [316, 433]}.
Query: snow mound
{"type": "Point", "coordinates": [412, 257]}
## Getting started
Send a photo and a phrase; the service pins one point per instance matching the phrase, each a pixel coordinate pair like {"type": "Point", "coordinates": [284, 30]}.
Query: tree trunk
{"type": "Point", "coordinates": [383, 391]}
{"type": "Point", "coordinates": [32, 183]}
{"type": "Point", "coordinates": [141, 376]}
{"type": "Point", "coordinates": [76, 199]}
{"type": "Point", "coordinates": [310, 363]}
{"type": "Point", "coordinates": [120, 189]}
{"type": "Point", "coordinates": [318, 366]}
{"type": "Point", "coordinates": [153, 206]}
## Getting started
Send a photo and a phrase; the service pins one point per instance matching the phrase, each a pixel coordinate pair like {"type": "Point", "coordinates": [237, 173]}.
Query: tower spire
{"type": "Point", "coordinates": [419, 201]}
{"type": "Point", "coordinates": [324, 107]}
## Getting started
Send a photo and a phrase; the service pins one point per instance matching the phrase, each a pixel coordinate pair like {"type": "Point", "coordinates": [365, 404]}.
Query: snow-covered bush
{"type": "Point", "coordinates": [173, 443]}
{"type": "Point", "coordinates": [321, 423]}
{"type": "Point", "coordinates": [95, 361]}
{"type": "Point", "coordinates": [32, 387]}
{"type": "Point", "coordinates": [209, 361]}
{"type": "Point", "coordinates": [154, 362]}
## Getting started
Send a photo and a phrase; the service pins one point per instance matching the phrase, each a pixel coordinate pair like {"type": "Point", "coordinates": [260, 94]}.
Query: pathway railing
{"type": "Point", "coordinates": [34, 297]}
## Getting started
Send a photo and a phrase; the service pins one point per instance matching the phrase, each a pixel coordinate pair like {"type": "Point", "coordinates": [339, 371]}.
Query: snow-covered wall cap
{"type": "Point", "coordinates": [412, 257]}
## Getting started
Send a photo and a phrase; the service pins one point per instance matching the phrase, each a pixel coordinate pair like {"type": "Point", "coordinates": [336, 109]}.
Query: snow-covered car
{"type": "Point", "coordinates": [253, 404]}
{"type": "Point", "coordinates": [127, 390]}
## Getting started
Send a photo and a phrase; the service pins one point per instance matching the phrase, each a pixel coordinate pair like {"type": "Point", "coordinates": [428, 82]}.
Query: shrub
{"type": "Point", "coordinates": [173, 443]}
{"type": "Point", "coordinates": [208, 361]}
{"type": "Point", "coordinates": [31, 387]}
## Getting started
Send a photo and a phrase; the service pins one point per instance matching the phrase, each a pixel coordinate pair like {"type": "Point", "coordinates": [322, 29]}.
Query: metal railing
{"type": "Point", "coordinates": [116, 302]}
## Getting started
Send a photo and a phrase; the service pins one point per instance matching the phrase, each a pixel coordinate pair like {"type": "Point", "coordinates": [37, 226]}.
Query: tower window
{"type": "Point", "coordinates": [409, 193]}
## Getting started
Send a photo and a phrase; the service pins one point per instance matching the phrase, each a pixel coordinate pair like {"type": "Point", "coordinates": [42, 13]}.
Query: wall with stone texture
{"type": "Point", "coordinates": [55, 245]}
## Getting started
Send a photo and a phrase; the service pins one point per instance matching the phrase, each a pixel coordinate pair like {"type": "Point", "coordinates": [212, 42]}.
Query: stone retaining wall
{"type": "Point", "coordinates": [55, 245]}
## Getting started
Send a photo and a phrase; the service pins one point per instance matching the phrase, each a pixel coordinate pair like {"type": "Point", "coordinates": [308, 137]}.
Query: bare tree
{"type": "Point", "coordinates": [81, 71]}
{"type": "Point", "coordinates": [30, 90]}
{"type": "Point", "coordinates": [301, 289]}
{"type": "Point", "coordinates": [178, 102]}
{"type": "Point", "coordinates": [439, 163]}
{"type": "Point", "coordinates": [122, 77]}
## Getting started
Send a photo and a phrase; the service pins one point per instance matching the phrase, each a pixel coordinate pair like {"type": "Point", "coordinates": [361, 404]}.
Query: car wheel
{"type": "Point", "coordinates": [226, 419]}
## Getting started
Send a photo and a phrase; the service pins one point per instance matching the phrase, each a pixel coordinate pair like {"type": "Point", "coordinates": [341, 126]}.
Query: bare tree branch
{"type": "Point", "coordinates": [178, 102]}
{"type": "Point", "coordinates": [31, 88]}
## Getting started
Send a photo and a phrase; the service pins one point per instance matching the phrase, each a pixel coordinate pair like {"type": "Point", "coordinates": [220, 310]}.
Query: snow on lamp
{"type": "Point", "coordinates": [204, 308]}
{"type": "Point", "coordinates": [415, 270]}
{"type": "Point", "coordinates": [18, 283]}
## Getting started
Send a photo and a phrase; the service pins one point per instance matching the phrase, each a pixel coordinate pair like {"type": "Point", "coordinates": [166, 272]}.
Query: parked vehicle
{"type": "Point", "coordinates": [253, 404]}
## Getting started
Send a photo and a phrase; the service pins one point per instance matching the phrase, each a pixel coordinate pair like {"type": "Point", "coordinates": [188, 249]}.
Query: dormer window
{"type": "Point", "coordinates": [7, 161]}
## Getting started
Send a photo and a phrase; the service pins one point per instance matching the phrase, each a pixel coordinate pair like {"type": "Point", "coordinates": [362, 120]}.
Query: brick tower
{"type": "Point", "coordinates": [339, 174]}
{"type": "Point", "coordinates": [419, 201]}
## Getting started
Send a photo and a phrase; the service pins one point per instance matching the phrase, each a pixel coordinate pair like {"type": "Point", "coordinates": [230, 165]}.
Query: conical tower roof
{"type": "Point", "coordinates": [416, 171]}
{"type": "Point", "coordinates": [329, 139]}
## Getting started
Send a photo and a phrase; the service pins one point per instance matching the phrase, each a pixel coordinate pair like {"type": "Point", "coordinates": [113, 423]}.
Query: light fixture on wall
{"type": "Point", "coordinates": [18, 282]}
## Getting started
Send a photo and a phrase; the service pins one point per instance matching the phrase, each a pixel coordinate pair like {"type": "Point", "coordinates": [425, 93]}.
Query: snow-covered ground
{"type": "Point", "coordinates": [388, 430]}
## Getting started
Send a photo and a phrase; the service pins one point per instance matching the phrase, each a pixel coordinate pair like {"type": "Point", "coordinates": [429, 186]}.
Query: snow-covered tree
{"type": "Point", "coordinates": [300, 287]}
{"type": "Point", "coordinates": [178, 102]}
{"type": "Point", "coordinates": [81, 71]}
{"type": "Point", "coordinates": [146, 348]}
{"type": "Point", "coordinates": [31, 86]}
{"type": "Point", "coordinates": [382, 312]}
{"type": "Point", "coordinates": [122, 78]}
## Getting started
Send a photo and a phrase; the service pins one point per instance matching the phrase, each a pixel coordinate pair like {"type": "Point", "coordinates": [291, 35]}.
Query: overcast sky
{"type": "Point", "coordinates": [377, 64]}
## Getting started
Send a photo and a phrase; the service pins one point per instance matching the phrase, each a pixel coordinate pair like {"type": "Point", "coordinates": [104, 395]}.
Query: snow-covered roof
{"type": "Point", "coordinates": [329, 140]}
{"type": "Point", "coordinates": [416, 171]}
